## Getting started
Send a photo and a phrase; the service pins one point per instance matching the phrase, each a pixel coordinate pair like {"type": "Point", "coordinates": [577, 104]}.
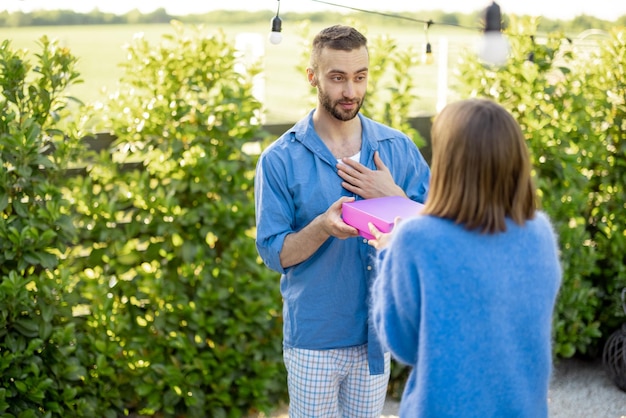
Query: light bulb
{"type": "Point", "coordinates": [493, 48]}
{"type": "Point", "coordinates": [428, 55]}
{"type": "Point", "coordinates": [275, 36]}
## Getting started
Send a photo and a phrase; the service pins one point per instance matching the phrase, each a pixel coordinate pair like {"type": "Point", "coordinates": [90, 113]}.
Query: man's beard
{"type": "Point", "coordinates": [335, 108]}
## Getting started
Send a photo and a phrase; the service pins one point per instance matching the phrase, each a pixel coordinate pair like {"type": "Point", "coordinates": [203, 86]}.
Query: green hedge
{"type": "Point", "coordinates": [40, 366]}
{"type": "Point", "coordinates": [182, 315]}
{"type": "Point", "coordinates": [570, 101]}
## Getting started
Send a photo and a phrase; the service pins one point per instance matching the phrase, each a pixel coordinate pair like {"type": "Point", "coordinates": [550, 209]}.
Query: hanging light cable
{"type": "Point", "coordinates": [275, 36]}
{"type": "Point", "coordinates": [493, 48]}
{"type": "Point", "coordinates": [391, 15]}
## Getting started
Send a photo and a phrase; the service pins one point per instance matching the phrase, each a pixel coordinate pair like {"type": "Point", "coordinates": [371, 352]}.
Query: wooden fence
{"type": "Point", "coordinates": [103, 141]}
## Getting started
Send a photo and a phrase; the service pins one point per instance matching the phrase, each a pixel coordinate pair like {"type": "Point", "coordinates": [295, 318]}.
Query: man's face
{"type": "Point", "coordinates": [341, 80]}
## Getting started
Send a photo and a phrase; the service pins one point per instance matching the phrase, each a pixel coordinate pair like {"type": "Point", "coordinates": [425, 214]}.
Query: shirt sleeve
{"type": "Point", "coordinates": [417, 181]}
{"type": "Point", "coordinates": [274, 210]}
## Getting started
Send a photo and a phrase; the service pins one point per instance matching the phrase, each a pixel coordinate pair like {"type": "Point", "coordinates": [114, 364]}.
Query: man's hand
{"type": "Point", "coordinates": [367, 183]}
{"type": "Point", "coordinates": [299, 246]}
{"type": "Point", "coordinates": [333, 223]}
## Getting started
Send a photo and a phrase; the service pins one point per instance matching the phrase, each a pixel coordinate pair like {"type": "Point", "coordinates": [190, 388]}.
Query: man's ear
{"type": "Point", "coordinates": [311, 76]}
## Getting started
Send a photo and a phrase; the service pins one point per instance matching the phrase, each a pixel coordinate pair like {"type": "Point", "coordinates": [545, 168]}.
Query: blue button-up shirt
{"type": "Point", "coordinates": [326, 297]}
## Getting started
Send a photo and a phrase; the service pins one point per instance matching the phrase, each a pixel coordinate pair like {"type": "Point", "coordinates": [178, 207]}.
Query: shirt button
{"type": "Point", "coordinates": [364, 240]}
{"type": "Point", "coordinates": [369, 267]}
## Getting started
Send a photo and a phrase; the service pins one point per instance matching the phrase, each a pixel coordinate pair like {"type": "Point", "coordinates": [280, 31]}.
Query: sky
{"type": "Point", "coordinates": [553, 9]}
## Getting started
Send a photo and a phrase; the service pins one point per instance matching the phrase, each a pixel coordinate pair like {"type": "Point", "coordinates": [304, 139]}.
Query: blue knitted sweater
{"type": "Point", "coordinates": [471, 313]}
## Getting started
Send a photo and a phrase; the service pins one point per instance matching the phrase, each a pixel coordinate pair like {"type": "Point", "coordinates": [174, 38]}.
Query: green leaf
{"type": "Point", "coordinates": [27, 327]}
{"type": "Point", "coordinates": [21, 386]}
{"type": "Point", "coordinates": [20, 208]}
{"type": "Point", "coordinates": [4, 201]}
{"type": "Point", "coordinates": [73, 371]}
{"type": "Point", "coordinates": [48, 261]}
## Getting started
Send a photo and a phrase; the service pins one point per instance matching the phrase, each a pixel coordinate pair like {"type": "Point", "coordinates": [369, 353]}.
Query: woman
{"type": "Point", "coordinates": [466, 291]}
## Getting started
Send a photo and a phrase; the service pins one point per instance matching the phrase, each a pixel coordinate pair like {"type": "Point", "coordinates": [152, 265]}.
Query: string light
{"type": "Point", "coordinates": [428, 54]}
{"type": "Point", "coordinates": [493, 49]}
{"type": "Point", "coordinates": [275, 36]}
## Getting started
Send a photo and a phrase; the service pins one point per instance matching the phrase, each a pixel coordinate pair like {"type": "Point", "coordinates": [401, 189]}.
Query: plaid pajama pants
{"type": "Point", "coordinates": [334, 383]}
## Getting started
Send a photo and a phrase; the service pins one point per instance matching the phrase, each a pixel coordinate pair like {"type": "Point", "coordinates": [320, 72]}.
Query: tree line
{"type": "Point", "coordinates": [160, 15]}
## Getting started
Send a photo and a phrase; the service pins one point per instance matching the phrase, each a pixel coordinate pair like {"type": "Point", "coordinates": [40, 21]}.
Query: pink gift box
{"type": "Point", "coordinates": [380, 211]}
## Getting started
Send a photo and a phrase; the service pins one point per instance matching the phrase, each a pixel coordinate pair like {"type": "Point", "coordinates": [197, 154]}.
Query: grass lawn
{"type": "Point", "coordinates": [285, 90]}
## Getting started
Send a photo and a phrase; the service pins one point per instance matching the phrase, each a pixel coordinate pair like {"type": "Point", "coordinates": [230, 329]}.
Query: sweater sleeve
{"type": "Point", "coordinates": [396, 301]}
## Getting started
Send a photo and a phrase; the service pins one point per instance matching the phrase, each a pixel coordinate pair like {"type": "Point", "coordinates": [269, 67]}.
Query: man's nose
{"type": "Point", "coordinates": [349, 89]}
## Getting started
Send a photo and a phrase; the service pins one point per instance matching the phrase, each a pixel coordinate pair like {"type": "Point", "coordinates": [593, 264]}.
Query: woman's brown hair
{"type": "Point", "coordinates": [480, 169]}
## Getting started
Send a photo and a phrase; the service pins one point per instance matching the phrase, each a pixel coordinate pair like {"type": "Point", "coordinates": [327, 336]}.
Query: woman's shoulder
{"type": "Point", "coordinates": [543, 224]}
{"type": "Point", "coordinates": [539, 222]}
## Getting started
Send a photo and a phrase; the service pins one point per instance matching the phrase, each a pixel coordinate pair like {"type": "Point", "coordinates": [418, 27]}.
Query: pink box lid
{"type": "Point", "coordinates": [380, 211]}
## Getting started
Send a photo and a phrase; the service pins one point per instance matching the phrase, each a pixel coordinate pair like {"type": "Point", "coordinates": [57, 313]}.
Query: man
{"type": "Point", "coordinates": [335, 364]}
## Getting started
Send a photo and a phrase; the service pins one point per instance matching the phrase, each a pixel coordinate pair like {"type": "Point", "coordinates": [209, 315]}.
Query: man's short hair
{"type": "Point", "coordinates": [339, 37]}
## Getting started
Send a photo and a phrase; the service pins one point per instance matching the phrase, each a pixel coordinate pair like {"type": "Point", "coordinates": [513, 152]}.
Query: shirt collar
{"type": "Point", "coordinates": [304, 132]}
